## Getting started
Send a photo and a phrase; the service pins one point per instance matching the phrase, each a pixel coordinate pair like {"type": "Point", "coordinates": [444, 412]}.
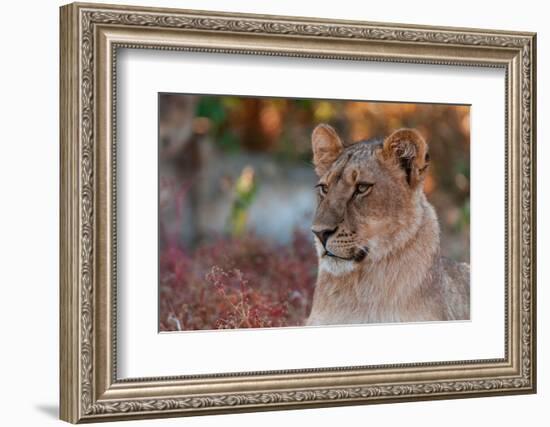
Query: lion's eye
{"type": "Point", "coordinates": [323, 189]}
{"type": "Point", "coordinates": [363, 188]}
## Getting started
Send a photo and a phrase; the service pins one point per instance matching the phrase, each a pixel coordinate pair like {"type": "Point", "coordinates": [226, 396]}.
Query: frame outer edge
{"type": "Point", "coordinates": [533, 124]}
{"type": "Point", "coordinates": [69, 355]}
{"type": "Point", "coordinates": [304, 19]}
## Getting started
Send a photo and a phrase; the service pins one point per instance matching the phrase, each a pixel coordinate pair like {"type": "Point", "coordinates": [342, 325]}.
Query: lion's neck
{"type": "Point", "coordinates": [383, 288]}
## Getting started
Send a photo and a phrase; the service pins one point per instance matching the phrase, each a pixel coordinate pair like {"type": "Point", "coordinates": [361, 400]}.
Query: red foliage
{"type": "Point", "coordinates": [245, 282]}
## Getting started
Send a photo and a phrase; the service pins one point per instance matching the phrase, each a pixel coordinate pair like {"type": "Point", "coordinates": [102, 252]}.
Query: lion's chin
{"type": "Point", "coordinates": [336, 266]}
{"type": "Point", "coordinates": [359, 255]}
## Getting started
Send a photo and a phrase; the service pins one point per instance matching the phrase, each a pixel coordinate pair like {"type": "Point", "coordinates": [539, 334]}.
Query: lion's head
{"type": "Point", "coordinates": [370, 194]}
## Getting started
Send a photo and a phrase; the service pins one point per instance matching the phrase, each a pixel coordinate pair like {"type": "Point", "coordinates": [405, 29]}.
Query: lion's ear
{"type": "Point", "coordinates": [409, 150]}
{"type": "Point", "coordinates": [327, 146]}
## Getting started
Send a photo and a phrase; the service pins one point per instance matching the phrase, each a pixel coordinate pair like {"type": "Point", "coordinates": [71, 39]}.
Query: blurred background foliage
{"type": "Point", "coordinates": [240, 168]}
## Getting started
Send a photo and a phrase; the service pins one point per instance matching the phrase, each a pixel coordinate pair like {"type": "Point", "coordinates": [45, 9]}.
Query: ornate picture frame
{"type": "Point", "coordinates": [90, 37]}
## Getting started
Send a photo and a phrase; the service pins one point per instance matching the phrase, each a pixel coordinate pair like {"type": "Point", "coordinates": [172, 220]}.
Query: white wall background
{"type": "Point", "coordinates": [29, 171]}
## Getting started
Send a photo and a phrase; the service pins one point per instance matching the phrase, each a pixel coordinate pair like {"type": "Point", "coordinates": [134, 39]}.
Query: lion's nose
{"type": "Point", "coordinates": [324, 234]}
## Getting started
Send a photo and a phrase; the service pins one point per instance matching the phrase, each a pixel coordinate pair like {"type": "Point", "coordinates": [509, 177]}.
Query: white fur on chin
{"type": "Point", "coordinates": [334, 266]}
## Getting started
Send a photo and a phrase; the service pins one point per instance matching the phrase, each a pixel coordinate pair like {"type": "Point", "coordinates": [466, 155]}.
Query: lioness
{"type": "Point", "coordinates": [377, 237]}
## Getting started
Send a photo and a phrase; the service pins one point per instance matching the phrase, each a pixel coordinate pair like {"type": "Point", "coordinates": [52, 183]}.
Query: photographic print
{"type": "Point", "coordinates": [281, 212]}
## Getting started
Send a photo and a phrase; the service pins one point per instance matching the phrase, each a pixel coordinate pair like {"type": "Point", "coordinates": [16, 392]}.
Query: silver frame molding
{"type": "Point", "coordinates": [90, 37]}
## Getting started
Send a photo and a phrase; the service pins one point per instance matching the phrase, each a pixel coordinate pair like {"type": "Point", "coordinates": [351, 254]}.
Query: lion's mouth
{"type": "Point", "coordinates": [358, 257]}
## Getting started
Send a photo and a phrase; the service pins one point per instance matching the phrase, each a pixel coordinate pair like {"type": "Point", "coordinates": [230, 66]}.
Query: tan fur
{"type": "Point", "coordinates": [381, 261]}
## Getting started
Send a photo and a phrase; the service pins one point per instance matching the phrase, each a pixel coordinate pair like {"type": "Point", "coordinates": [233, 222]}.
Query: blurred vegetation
{"type": "Point", "coordinates": [245, 192]}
